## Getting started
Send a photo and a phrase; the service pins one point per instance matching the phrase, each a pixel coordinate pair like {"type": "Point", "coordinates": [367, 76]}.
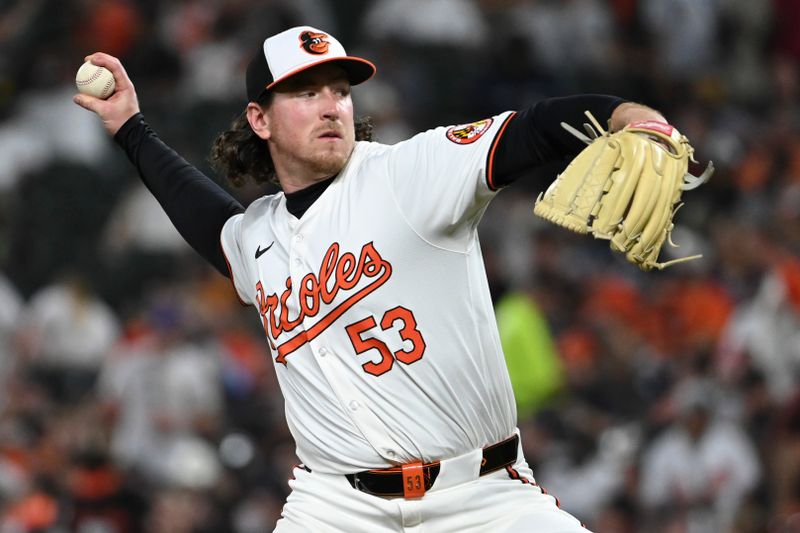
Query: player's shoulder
{"type": "Point", "coordinates": [365, 157]}
{"type": "Point", "coordinates": [465, 134]}
{"type": "Point", "coordinates": [369, 149]}
{"type": "Point", "coordinates": [369, 153]}
{"type": "Point", "coordinates": [263, 206]}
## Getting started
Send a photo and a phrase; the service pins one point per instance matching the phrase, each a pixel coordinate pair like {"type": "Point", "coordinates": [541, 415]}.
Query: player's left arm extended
{"type": "Point", "coordinates": [534, 136]}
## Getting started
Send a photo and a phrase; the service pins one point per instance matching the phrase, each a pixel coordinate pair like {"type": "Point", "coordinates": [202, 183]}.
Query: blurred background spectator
{"type": "Point", "coordinates": [699, 470]}
{"type": "Point", "coordinates": [138, 394]}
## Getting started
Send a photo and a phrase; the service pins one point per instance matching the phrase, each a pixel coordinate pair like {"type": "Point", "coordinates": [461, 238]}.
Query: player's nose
{"type": "Point", "coordinates": [329, 108]}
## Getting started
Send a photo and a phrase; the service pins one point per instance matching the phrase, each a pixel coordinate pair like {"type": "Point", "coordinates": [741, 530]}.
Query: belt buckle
{"type": "Point", "coordinates": [413, 481]}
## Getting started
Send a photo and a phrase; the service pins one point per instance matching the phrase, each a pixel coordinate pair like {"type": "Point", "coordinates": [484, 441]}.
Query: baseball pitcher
{"type": "Point", "coordinates": [366, 273]}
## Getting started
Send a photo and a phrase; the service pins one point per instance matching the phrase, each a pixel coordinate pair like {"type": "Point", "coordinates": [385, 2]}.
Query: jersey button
{"type": "Point", "coordinates": [322, 351]}
{"type": "Point", "coordinates": [390, 454]}
{"type": "Point", "coordinates": [297, 261]}
{"type": "Point", "coordinates": [298, 238]}
{"type": "Point", "coordinates": [353, 405]}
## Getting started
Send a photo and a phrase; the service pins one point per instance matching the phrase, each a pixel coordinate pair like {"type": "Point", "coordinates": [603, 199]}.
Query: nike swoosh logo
{"type": "Point", "coordinates": [260, 252]}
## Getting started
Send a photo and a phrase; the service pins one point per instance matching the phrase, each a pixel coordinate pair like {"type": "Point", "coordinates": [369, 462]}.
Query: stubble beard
{"type": "Point", "coordinates": [328, 162]}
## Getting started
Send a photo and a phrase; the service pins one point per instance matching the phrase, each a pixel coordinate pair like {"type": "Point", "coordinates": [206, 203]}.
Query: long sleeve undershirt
{"type": "Point", "coordinates": [534, 136]}
{"type": "Point", "coordinates": [198, 207]}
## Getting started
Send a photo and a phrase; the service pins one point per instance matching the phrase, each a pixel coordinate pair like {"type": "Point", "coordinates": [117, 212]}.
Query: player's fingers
{"type": "Point", "coordinates": [113, 64]}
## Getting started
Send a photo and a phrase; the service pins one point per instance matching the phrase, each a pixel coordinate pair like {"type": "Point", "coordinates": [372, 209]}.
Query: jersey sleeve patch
{"type": "Point", "coordinates": [468, 133]}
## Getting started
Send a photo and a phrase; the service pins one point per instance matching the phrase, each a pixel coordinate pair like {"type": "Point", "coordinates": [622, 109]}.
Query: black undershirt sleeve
{"type": "Point", "coordinates": [196, 205]}
{"type": "Point", "coordinates": [534, 137]}
{"type": "Point", "coordinates": [199, 208]}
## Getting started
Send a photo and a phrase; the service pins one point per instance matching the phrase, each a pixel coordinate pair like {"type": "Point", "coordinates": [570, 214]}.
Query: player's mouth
{"type": "Point", "coordinates": [330, 135]}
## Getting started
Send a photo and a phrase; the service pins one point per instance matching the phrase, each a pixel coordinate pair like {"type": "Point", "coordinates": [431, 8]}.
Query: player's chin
{"type": "Point", "coordinates": [330, 161]}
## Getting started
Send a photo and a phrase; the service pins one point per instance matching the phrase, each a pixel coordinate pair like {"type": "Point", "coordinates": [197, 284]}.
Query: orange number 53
{"type": "Point", "coordinates": [408, 332]}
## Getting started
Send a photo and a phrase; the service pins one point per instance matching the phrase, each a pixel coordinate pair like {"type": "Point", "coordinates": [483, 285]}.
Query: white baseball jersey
{"type": "Point", "coordinates": [376, 304]}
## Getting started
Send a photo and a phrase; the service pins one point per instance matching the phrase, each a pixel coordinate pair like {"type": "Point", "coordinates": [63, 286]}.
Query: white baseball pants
{"type": "Point", "coordinates": [459, 501]}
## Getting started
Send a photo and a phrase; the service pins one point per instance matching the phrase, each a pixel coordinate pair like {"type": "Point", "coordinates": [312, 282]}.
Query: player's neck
{"type": "Point", "coordinates": [292, 184]}
{"type": "Point", "coordinates": [295, 175]}
{"type": "Point", "coordinates": [298, 202]}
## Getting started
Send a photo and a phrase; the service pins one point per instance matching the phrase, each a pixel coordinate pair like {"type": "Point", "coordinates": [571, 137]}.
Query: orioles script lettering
{"type": "Point", "coordinates": [337, 273]}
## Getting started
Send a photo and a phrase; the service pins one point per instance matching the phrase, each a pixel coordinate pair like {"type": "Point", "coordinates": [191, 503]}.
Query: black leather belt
{"type": "Point", "coordinates": [412, 480]}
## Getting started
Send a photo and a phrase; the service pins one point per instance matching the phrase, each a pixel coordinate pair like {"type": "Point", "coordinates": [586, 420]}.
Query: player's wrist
{"type": "Point", "coordinates": [131, 123]}
{"type": "Point", "coordinates": [115, 124]}
{"type": "Point", "coordinates": [631, 112]}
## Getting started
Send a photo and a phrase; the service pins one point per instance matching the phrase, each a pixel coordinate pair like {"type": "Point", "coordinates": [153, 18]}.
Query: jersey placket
{"type": "Point", "coordinates": [333, 361]}
{"type": "Point", "coordinates": [352, 401]}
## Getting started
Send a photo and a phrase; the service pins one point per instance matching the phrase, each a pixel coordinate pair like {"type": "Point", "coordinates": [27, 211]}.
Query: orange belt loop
{"type": "Point", "coordinates": [413, 481]}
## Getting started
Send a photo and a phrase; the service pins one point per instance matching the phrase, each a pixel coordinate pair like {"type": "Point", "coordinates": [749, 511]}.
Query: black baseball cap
{"type": "Point", "coordinates": [292, 51]}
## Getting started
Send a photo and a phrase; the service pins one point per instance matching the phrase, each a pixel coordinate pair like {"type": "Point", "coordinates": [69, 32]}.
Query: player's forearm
{"type": "Point", "coordinates": [196, 205]}
{"type": "Point", "coordinates": [548, 114]}
{"type": "Point", "coordinates": [534, 137]}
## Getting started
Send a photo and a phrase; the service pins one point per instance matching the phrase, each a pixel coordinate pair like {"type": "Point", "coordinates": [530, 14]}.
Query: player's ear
{"type": "Point", "coordinates": [258, 119]}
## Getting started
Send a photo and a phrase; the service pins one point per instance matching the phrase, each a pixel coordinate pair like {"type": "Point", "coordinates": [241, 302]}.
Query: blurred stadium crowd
{"type": "Point", "coordinates": [137, 394]}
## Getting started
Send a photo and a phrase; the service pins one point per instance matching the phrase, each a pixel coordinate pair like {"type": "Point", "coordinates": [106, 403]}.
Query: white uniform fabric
{"type": "Point", "coordinates": [406, 215]}
{"type": "Point", "coordinates": [459, 501]}
{"type": "Point", "coordinates": [377, 307]}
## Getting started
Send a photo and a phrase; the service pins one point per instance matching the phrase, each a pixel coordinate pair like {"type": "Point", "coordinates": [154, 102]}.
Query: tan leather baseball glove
{"type": "Point", "coordinates": [625, 187]}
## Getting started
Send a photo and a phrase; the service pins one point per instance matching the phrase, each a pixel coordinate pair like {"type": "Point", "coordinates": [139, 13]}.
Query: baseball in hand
{"type": "Point", "coordinates": [95, 81]}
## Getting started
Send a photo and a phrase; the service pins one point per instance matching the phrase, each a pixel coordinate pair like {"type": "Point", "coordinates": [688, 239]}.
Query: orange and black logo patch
{"type": "Point", "coordinates": [314, 43]}
{"type": "Point", "coordinates": [469, 133]}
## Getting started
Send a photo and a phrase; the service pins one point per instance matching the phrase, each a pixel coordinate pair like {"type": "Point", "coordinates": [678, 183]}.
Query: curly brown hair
{"type": "Point", "coordinates": [239, 153]}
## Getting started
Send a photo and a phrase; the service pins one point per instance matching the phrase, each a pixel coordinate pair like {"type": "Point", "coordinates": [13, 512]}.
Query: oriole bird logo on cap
{"type": "Point", "coordinates": [314, 43]}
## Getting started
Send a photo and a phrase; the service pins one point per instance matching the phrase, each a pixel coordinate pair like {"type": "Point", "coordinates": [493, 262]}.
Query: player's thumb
{"type": "Point", "coordinates": [87, 102]}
